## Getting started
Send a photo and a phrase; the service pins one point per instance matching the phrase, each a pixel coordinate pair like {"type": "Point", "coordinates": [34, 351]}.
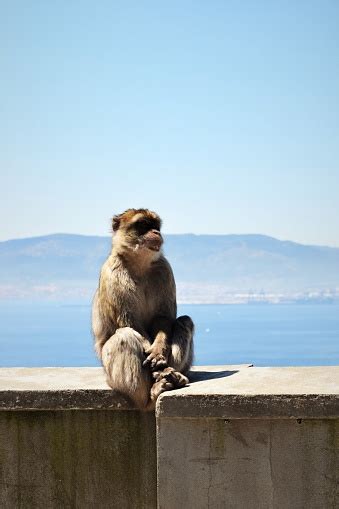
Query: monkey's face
{"type": "Point", "coordinates": [138, 230]}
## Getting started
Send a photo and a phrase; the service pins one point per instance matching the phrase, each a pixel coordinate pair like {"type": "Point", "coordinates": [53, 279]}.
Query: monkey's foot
{"type": "Point", "coordinates": [160, 387]}
{"type": "Point", "coordinates": [175, 378]}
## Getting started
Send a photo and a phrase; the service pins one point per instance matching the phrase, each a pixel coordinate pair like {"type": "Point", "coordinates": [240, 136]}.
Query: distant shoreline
{"type": "Point", "coordinates": [49, 302]}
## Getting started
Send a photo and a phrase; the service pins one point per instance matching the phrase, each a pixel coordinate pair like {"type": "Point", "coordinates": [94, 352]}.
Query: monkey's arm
{"type": "Point", "coordinates": [157, 353]}
{"type": "Point", "coordinates": [160, 329]}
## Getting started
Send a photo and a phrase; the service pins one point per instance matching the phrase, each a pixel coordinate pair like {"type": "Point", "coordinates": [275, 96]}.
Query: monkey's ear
{"type": "Point", "coordinates": [116, 223]}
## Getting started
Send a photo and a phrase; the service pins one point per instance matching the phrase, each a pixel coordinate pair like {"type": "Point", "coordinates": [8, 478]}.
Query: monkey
{"type": "Point", "coordinates": [144, 348]}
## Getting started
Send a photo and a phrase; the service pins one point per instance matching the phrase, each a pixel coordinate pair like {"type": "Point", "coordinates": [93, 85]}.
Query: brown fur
{"type": "Point", "coordinates": [144, 348]}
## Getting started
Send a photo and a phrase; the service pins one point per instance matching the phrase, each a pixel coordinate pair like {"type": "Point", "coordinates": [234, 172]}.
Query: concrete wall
{"type": "Point", "coordinates": [237, 437]}
{"type": "Point", "coordinates": [251, 438]}
{"type": "Point", "coordinates": [77, 458]}
{"type": "Point", "coordinates": [248, 463]}
{"type": "Point", "coordinates": [67, 441]}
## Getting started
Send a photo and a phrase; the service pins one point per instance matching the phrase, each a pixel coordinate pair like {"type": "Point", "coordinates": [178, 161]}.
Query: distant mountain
{"type": "Point", "coordinates": [208, 268]}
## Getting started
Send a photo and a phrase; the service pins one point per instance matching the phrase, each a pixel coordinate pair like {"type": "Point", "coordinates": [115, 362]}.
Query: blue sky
{"type": "Point", "coordinates": [222, 116]}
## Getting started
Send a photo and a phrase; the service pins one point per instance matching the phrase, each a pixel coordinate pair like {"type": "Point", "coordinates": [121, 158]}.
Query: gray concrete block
{"type": "Point", "coordinates": [291, 392]}
{"type": "Point", "coordinates": [57, 389]}
{"type": "Point", "coordinates": [236, 437]}
{"type": "Point", "coordinates": [264, 438]}
{"type": "Point", "coordinates": [77, 459]}
{"type": "Point", "coordinates": [70, 388]}
{"type": "Point", "coordinates": [246, 464]}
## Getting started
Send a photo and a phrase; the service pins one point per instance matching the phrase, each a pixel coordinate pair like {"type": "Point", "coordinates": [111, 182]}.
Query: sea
{"type": "Point", "coordinates": [51, 334]}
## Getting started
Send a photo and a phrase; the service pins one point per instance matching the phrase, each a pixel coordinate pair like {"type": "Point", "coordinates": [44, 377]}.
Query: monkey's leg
{"type": "Point", "coordinates": [181, 354]}
{"type": "Point", "coordinates": [180, 358]}
{"type": "Point", "coordinates": [179, 362]}
{"type": "Point", "coordinates": [161, 385]}
{"type": "Point", "coordinates": [167, 379]}
{"type": "Point", "coordinates": [122, 358]}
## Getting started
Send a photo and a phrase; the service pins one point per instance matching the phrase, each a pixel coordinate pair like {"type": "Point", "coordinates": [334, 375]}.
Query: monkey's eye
{"type": "Point", "coordinates": [142, 227]}
{"type": "Point", "coordinates": [156, 225]}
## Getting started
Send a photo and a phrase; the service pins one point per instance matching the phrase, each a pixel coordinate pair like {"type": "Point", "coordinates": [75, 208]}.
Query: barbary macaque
{"type": "Point", "coordinates": [144, 348]}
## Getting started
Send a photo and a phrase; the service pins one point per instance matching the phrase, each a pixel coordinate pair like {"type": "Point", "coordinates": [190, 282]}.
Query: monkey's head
{"type": "Point", "coordinates": [138, 231]}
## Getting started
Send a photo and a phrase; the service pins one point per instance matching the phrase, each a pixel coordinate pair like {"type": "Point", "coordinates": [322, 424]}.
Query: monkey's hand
{"type": "Point", "coordinates": [175, 378]}
{"type": "Point", "coordinates": [157, 356]}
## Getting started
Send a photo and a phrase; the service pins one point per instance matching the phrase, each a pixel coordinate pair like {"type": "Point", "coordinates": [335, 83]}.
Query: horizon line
{"type": "Point", "coordinates": [177, 234]}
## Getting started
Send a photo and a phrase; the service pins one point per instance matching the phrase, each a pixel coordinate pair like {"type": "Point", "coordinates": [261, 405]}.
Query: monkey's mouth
{"type": "Point", "coordinates": [153, 242]}
{"type": "Point", "coordinates": [151, 246]}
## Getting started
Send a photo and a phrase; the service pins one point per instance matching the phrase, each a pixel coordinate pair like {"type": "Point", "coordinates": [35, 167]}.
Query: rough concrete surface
{"type": "Point", "coordinates": [265, 438]}
{"type": "Point", "coordinates": [257, 392]}
{"type": "Point", "coordinates": [246, 464]}
{"type": "Point", "coordinates": [77, 459]}
{"type": "Point", "coordinates": [68, 388]}
{"type": "Point", "coordinates": [238, 437]}
{"type": "Point", "coordinates": [57, 388]}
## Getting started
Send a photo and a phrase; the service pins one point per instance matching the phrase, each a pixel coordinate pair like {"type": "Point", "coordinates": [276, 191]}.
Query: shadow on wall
{"type": "Point", "coordinates": [200, 376]}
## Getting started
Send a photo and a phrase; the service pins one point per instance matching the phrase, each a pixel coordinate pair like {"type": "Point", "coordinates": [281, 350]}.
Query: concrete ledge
{"type": "Point", "coordinates": [233, 392]}
{"type": "Point", "coordinates": [57, 389]}
{"type": "Point", "coordinates": [71, 388]}
{"type": "Point", "coordinates": [263, 393]}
